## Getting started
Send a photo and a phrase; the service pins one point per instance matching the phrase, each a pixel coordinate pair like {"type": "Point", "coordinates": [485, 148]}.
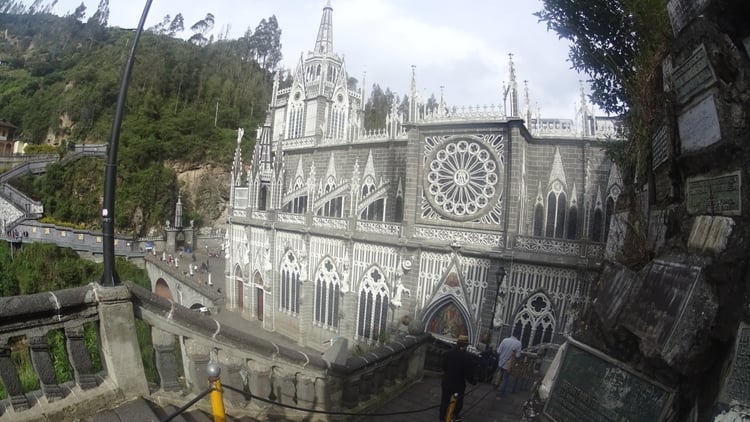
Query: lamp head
{"type": "Point", "coordinates": [213, 370]}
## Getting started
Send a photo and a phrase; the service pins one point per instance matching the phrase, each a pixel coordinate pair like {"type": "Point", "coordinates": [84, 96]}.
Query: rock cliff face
{"type": "Point", "coordinates": [207, 191]}
{"type": "Point", "coordinates": [682, 317]}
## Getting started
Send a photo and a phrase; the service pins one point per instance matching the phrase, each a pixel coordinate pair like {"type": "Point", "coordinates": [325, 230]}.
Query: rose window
{"type": "Point", "coordinates": [462, 179]}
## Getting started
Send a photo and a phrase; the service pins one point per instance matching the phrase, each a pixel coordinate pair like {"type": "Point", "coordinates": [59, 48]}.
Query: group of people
{"type": "Point", "coordinates": [459, 368]}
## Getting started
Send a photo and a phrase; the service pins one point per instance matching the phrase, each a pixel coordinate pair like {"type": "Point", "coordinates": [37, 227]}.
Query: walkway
{"type": "Point", "coordinates": [482, 404]}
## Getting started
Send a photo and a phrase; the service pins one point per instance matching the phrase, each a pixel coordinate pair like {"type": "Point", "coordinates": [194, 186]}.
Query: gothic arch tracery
{"type": "Point", "coordinates": [535, 320]}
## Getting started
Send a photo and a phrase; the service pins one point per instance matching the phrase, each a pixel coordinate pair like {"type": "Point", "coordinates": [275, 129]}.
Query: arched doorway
{"type": "Point", "coordinates": [259, 292]}
{"type": "Point", "coordinates": [162, 289]}
{"type": "Point", "coordinates": [239, 295]}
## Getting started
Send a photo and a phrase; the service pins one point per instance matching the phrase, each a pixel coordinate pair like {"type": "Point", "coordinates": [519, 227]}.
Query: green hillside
{"type": "Point", "coordinates": [59, 80]}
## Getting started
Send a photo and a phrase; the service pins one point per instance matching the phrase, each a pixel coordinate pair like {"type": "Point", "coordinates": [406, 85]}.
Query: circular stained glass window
{"type": "Point", "coordinates": [462, 179]}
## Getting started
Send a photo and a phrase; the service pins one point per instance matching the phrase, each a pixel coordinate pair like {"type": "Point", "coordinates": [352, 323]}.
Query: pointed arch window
{"type": "Point", "coordinates": [290, 283]}
{"type": "Point", "coordinates": [334, 207]}
{"type": "Point", "coordinates": [535, 321]}
{"type": "Point", "coordinates": [609, 209]}
{"type": "Point", "coordinates": [238, 288]}
{"type": "Point", "coordinates": [337, 118]}
{"type": "Point", "coordinates": [327, 287]}
{"type": "Point", "coordinates": [262, 197]}
{"type": "Point", "coordinates": [539, 220]}
{"type": "Point", "coordinates": [296, 127]}
{"type": "Point", "coordinates": [374, 211]}
{"type": "Point", "coordinates": [372, 306]}
{"type": "Point", "coordinates": [556, 209]}
{"type": "Point", "coordinates": [596, 226]}
{"type": "Point", "coordinates": [572, 222]}
{"type": "Point", "coordinates": [399, 212]}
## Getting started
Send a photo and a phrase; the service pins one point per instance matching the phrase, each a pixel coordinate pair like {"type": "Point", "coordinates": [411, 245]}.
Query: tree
{"type": "Point", "coordinates": [266, 43]}
{"type": "Point", "coordinates": [79, 13]}
{"type": "Point", "coordinates": [200, 29]}
{"type": "Point", "coordinates": [604, 45]}
{"type": "Point", "coordinates": [101, 16]}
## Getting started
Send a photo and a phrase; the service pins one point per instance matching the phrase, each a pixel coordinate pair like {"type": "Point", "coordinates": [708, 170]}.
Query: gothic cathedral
{"type": "Point", "coordinates": [457, 221]}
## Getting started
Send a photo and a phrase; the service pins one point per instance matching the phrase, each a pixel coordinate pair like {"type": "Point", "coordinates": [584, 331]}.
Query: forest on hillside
{"type": "Point", "coordinates": [59, 81]}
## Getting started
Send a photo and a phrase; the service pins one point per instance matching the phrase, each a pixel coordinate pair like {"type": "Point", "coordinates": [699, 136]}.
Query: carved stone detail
{"type": "Point", "coordinates": [376, 227]}
{"type": "Point", "coordinates": [457, 236]}
{"type": "Point", "coordinates": [558, 247]}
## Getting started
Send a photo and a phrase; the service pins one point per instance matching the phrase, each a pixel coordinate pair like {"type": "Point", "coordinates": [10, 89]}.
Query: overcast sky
{"type": "Point", "coordinates": [462, 46]}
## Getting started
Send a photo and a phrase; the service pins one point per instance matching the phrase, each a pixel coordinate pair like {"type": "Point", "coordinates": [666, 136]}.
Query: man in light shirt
{"type": "Point", "coordinates": [509, 347]}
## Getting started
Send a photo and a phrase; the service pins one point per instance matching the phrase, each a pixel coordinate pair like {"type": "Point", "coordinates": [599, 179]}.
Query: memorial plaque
{"type": "Point", "coordinates": [699, 125]}
{"type": "Point", "coordinates": [746, 43]}
{"type": "Point", "coordinates": [693, 75]}
{"type": "Point", "coordinates": [593, 387]}
{"type": "Point", "coordinates": [737, 390]}
{"type": "Point", "coordinates": [681, 12]}
{"type": "Point", "coordinates": [661, 149]}
{"type": "Point", "coordinates": [657, 229]}
{"type": "Point", "coordinates": [617, 283]}
{"type": "Point", "coordinates": [715, 195]}
{"type": "Point", "coordinates": [660, 302]}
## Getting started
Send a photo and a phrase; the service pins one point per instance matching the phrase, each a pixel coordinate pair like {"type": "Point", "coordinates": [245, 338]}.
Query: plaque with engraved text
{"type": "Point", "coordinates": [593, 387]}
{"type": "Point", "coordinates": [715, 195]}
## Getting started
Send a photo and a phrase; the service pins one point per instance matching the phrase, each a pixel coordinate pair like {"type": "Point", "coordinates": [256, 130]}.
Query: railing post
{"type": "Point", "coordinates": [11, 381]}
{"type": "Point", "coordinates": [79, 357]}
{"type": "Point", "coordinates": [166, 362]}
{"type": "Point", "coordinates": [42, 362]}
{"type": "Point", "coordinates": [217, 401]}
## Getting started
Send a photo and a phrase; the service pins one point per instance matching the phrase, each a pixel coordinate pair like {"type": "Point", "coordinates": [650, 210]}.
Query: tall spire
{"type": "Point", "coordinates": [324, 42]}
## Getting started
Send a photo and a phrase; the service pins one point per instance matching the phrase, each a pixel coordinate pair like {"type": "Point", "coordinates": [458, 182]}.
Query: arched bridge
{"type": "Point", "coordinates": [171, 283]}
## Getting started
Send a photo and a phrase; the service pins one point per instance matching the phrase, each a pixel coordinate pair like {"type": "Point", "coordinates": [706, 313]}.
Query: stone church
{"type": "Point", "coordinates": [463, 221]}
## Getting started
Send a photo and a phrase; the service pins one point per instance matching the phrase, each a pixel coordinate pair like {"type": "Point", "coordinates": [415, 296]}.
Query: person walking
{"type": "Point", "coordinates": [458, 368]}
{"type": "Point", "coordinates": [509, 348]}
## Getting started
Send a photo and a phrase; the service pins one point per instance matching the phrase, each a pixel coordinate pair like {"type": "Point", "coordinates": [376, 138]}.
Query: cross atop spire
{"type": "Point", "coordinates": [324, 42]}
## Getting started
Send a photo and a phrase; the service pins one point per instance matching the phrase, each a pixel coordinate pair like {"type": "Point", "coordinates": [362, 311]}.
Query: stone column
{"type": "Point", "coordinates": [199, 376]}
{"type": "Point", "coordinates": [365, 386]}
{"type": "Point", "coordinates": [230, 376]}
{"type": "Point", "coordinates": [119, 343]}
{"type": "Point", "coordinates": [79, 357]}
{"type": "Point", "coordinates": [11, 381]}
{"type": "Point", "coordinates": [305, 392]}
{"type": "Point", "coordinates": [166, 361]}
{"type": "Point", "coordinates": [351, 392]}
{"type": "Point", "coordinates": [44, 368]}
{"type": "Point", "coordinates": [259, 382]}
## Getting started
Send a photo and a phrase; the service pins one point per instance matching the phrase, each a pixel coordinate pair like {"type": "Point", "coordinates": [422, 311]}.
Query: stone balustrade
{"type": "Point", "coordinates": [184, 342]}
{"type": "Point", "coordinates": [27, 321]}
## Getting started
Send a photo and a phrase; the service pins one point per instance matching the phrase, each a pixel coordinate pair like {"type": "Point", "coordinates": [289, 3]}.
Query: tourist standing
{"type": "Point", "coordinates": [509, 348]}
{"type": "Point", "coordinates": [458, 367]}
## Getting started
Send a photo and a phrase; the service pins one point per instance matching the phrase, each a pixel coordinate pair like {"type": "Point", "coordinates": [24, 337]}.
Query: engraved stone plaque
{"type": "Point", "coordinates": [592, 386]}
{"type": "Point", "coordinates": [661, 301]}
{"type": "Point", "coordinates": [661, 149]}
{"type": "Point", "coordinates": [699, 125]}
{"type": "Point", "coordinates": [681, 12]}
{"type": "Point", "coordinates": [715, 195]}
{"type": "Point", "coordinates": [746, 43]}
{"type": "Point", "coordinates": [693, 75]}
{"type": "Point", "coordinates": [737, 388]}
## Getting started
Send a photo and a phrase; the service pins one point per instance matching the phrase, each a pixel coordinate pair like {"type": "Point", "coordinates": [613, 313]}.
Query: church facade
{"type": "Point", "coordinates": [465, 221]}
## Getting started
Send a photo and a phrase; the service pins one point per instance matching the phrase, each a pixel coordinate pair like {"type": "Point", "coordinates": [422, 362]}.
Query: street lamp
{"type": "Point", "coordinates": [499, 277]}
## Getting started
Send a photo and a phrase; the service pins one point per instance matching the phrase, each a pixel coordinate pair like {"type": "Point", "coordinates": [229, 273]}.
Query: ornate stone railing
{"type": "Point", "coordinates": [392, 229]}
{"type": "Point", "coordinates": [574, 248]}
{"type": "Point", "coordinates": [290, 218]}
{"type": "Point", "coordinates": [25, 325]}
{"type": "Point", "coordinates": [331, 223]}
{"type": "Point", "coordinates": [460, 237]}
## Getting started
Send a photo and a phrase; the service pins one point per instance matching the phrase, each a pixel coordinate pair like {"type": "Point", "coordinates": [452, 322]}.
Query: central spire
{"type": "Point", "coordinates": [324, 42]}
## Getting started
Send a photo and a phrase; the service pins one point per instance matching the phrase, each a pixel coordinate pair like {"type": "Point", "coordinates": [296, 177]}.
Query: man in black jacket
{"type": "Point", "coordinates": [458, 367]}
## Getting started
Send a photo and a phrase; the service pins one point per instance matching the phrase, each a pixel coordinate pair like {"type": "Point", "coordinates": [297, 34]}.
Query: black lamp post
{"type": "Point", "coordinates": [110, 278]}
{"type": "Point", "coordinates": [499, 277]}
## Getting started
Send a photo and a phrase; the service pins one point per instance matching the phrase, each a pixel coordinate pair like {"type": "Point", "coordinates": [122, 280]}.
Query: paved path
{"type": "Point", "coordinates": [482, 404]}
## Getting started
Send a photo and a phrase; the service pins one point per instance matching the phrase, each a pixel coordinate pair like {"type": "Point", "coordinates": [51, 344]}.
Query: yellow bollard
{"type": "Point", "coordinates": [217, 401]}
{"type": "Point", "coordinates": [451, 408]}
